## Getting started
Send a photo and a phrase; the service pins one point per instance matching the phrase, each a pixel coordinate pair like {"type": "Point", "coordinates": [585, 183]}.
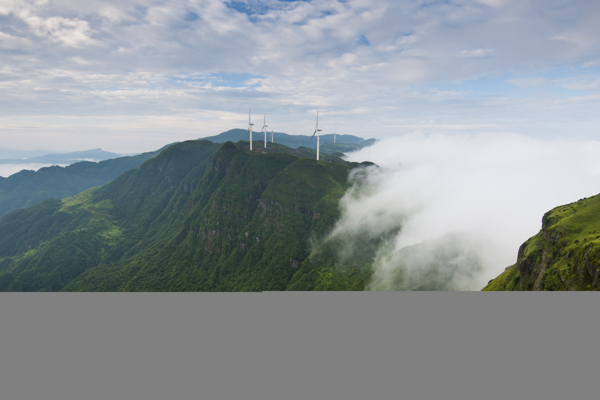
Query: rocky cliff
{"type": "Point", "coordinates": [564, 255]}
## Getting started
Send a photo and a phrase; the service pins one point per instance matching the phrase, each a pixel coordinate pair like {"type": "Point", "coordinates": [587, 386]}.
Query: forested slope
{"type": "Point", "coordinates": [198, 217]}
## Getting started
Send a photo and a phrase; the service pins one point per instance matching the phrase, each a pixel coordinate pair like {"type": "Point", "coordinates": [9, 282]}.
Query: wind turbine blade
{"type": "Point", "coordinates": [317, 120]}
{"type": "Point", "coordinates": [313, 134]}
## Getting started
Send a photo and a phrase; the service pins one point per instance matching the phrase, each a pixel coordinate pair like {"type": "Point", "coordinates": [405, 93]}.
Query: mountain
{"type": "Point", "coordinates": [564, 255]}
{"type": "Point", "coordinates": [64, 158]}
{"type": "Point", "coordinates": [199, 216]}
{"type": "Point", "coordinates": [235, 135]}
{"type": "Point", "coordinates": [26, 188]}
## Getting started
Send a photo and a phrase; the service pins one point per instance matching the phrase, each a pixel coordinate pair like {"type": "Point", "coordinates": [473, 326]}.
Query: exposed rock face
{"type": "Point", "coordinates": [564, 255]}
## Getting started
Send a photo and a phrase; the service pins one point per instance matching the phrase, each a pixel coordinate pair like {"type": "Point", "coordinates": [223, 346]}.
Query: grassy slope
{"type": "Point", "coordinates": [564, 255]}
{"type": "Point", "coordinates": [182, 221]}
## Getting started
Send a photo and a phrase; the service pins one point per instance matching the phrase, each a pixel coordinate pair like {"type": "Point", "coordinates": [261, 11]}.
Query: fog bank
{"type": "Point", "coordinates": [473, 200]}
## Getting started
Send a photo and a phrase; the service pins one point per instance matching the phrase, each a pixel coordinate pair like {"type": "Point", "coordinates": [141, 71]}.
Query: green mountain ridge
{"type": "Point", "coordinates": [199, 216]}
{"type": "Point", "coordinates": [344, 143]}
{"type": "Point", "coordinates": [564, 255]}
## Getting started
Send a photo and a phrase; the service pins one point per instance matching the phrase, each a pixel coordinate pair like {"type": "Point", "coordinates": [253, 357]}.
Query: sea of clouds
{"type": "Point", "coordinates": [469, 200]}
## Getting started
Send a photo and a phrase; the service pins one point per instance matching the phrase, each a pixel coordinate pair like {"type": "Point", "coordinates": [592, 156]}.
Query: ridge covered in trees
{"type": "Point", "coordinates": [200, 216]}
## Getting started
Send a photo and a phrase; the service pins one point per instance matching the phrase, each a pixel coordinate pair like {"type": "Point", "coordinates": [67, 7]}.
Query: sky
{"type": "Point", "coordinates": [133, 76]}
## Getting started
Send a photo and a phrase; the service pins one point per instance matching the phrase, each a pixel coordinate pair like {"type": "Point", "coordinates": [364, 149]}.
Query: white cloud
{"type": "Point", "coordinates": [491, 3]}
{"type": "Point", "coordinates": [581, 83]}
{"type": "Point", "coordinates": [492, 189]}
{"type": "Point", "coordinates": [70, 32]}
{"type": "Point", "coordinates": [476, 53]}
{"type": "Point", "coordinates": [525, 82]}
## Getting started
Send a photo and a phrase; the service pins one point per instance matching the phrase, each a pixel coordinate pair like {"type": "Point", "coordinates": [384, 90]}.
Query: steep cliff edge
{"type": "Point", "coordinates": [564, 255]}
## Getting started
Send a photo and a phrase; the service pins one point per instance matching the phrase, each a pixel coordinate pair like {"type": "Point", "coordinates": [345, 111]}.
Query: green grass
{"type": "Point", "coordinates": [569, 242]}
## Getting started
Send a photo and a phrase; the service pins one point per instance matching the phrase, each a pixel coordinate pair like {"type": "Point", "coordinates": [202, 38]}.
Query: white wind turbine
{"type": "Point", "coordinates": [250, 128]}
{"type": "Point", "coordinates": [264, 128]}
{"type": "Point", "coordinates": [317, 130]}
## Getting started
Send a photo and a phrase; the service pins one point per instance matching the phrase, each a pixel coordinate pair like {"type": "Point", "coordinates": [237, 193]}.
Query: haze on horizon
{"type": "Point", "coordinates": [134, 76]}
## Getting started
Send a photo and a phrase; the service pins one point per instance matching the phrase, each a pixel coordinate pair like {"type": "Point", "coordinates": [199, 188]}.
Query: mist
{"type": "Point", "coordinates": [460, 205]}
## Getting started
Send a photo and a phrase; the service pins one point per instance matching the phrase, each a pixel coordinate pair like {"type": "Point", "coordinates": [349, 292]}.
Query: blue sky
{"type": "Point", "coordinates": [133, 76]}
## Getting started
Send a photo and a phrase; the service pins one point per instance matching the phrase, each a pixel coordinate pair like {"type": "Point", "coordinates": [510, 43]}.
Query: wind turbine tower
{"type": "Point", "coordinates": [317, 130]}
{"type": "Point", "coordinates": [250, 127]}
{"type": "Point", "coordinates": [264, 128]}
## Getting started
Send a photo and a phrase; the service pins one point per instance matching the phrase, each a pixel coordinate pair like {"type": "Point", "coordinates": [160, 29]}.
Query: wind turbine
{"type": "Point", "coordinates": [271, 135]}
{"type": "Point", "coordinates": [264, 128]}
{"type": "Point", "coordinates": [317, 130]}
{"type": "Point", "coordinates": [250, 128]}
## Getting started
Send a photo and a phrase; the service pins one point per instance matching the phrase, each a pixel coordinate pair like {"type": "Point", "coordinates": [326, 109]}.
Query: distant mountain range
{"type": "Point", "coordinates": [64, 158]}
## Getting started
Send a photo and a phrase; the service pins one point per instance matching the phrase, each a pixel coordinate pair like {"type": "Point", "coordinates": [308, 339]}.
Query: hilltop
{"type": "Point", "coordinates": [344, 143]}
{"type": "Point", "coordinates": [564, 255]}
{"type": "Point", "coordinates": [199, 216]}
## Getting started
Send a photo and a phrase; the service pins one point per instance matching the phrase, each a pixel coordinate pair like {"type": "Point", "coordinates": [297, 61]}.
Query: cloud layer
{"type": "Point", "coordinates": [488, 193]}
{"type": "Point", "coordinates": [373, 68]}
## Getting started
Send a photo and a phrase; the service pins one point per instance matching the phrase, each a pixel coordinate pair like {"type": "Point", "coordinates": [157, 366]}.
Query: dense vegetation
{"type": "Point", "coordinates": [564, 255]}
{"type": "Point", "coordinates": [27, 188]}
{"type": "Point", "coordinates": [199, 216]}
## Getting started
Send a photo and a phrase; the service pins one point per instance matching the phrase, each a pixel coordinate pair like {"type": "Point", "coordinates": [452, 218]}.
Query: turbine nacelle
{"type": "Point", "coordinates": [316, 127]}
